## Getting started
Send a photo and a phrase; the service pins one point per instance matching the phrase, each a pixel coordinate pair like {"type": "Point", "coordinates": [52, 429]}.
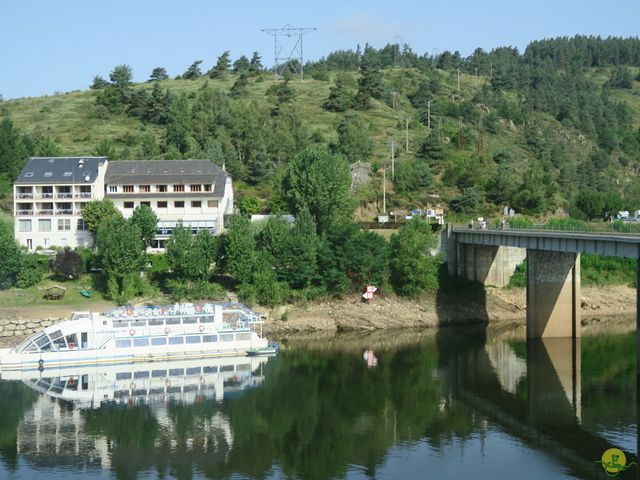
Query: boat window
{"type": "Point", "coordinates": [120, 393]}
{"type": "Point", "coordinates": [209, 338]}
{"type": "Point", "coordinates": [176, 340]}
{"type": "Point", "coordinates": [194, 339]}
{"type": "Point", "coordinates": [226, 368]}
{"type": "Point", "coordinates": [243, 336]}
{"type": "Point", "coordinates": [173, 390]}
{"type": "Point", "coordinates": [72, 341]}
{"type": "Point", "coordinates": [210, 369]}
{"type": "Point", "coordinates": [43, 343]}
{"type": "Point", "coordinates": [123, 375]}
{"type": "Point", "coordinates": [123, 343]}
{"type": "Point", "coordinates": [226, 337]}
{"type": "Point", "coordinates": [173, 321]}
{"type": "Point", "coordinates": [139, 323]}
{"type": "Point", "coordinates": [153, 322]}
{"type": "Point", "coordinates": [140, 342]}
{"type": "Point", "coordinates": [193, 371]}
{"type": "Point", "coordinates": [158, 373]}
{"type": "Point", "coordinates": [120, 323]}
{"type": "Point", "coordinates": [143, 374]}
{"type": "Point", "coordinates": [190, 388]}
{"type": "Point", "coordinates": [176, 372]}
{"type": "Point", "coordinates": [31, 348]}
{"type": "Point", "coordinates": [58, 340]}
{"type": "Point", "coordinates": [207, 319]}
{"type": "Point", "coordinates": [189, 320]}
{"type": "Point", "coordinates": [139, 392]}
{"type": "Point", "coordinates": [159, 341]}
{"type": "Point", "coordinates": [156, 391]}
{"type": "Point", "coordinates": [72, 384]}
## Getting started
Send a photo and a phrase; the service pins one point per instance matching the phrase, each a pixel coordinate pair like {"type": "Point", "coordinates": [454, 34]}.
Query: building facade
{"type": "Point", "coordinates": [194, 193]}
{"type": "Point", "coordinates": [48, 198]}
{"type": "Point", "coordinates": [50, 193]}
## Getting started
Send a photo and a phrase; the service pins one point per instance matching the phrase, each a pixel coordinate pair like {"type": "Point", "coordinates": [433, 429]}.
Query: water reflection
{"type": "Point", "coordinates": [453, 404]}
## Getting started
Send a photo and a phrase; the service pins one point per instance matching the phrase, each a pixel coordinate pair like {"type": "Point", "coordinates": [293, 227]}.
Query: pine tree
{"type": "Point", "coordinates": [339, 99]}
{"type": "Point", "coordinates": [222, 66]}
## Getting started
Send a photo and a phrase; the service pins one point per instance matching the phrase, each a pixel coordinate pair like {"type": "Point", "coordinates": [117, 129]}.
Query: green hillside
{"type": "Point", "coordinates": [548, 131]}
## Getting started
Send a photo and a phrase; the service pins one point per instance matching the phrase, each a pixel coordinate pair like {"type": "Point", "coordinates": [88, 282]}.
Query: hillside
{"type": "Point", "coordinates": [535, 131]}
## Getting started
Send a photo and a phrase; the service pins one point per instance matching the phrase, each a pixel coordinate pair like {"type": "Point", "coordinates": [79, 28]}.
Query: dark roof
{"type": "Point", "coordinates": [142, 172]}
{"type": "Point", "coordinates": [60, 170]}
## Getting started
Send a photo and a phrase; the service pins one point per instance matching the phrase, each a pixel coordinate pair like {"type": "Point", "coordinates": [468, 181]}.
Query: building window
{"type": "Point", "coordinates": [127, 188]}
{"type": "Point", "coordinates": [207, 188]}
{"type": "Point", "coordinates": [128, 204]}
{"type": "Point", "coordinates": [64, 224]}
{"type": "Point", "coordinates": [162, 204]}
{"type": "Point", "coordinates": [145, 188]}
{"type": "Point", "coordinates": [212, 203]}
{"type": "Point", "coordinates": [113, 189]}
{"type": "Point", "coordinates": [178, 204]}
{"type": "Point", "coordinates": [44, 225]}
{"type": "Point", "coordinates": [24, 225]}
{"type": "Point", "coordinates": [196, 204]}
{"type": "Point", "coordinates": [148, 204]}
{"type": "Point", "coordinates": [162, 188]}
{"type": "Point", "coordinates": [195, 188]}
{"type": "Point", "coordinates": [82, 225]}
{"type": "Point", "coordinates": [178, 188]}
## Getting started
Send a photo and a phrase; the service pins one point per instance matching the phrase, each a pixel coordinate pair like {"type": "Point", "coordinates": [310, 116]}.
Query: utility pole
{"type": "Point", "coordinates": [394, 100]}
{"type": "Point", "coordinates": [406, 136]}
{"type": "Point", "coordinates": [480, 144]}
{"type": "Point", "coordinates": [384, 191]}
{"type": "Point", "coordinates": [460, 135]}
{"type": "Point", "coordinates": [393, 159]}
{"type": "Point", "coordinates": [281, 61]}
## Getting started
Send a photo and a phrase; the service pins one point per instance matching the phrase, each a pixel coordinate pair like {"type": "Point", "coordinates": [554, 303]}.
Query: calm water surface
{"type": "Point", "coordinates": [452, 404]}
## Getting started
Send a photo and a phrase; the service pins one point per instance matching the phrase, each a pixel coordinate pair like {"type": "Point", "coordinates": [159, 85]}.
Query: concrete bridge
{"type": "Point", "coordinates": [553, 268]}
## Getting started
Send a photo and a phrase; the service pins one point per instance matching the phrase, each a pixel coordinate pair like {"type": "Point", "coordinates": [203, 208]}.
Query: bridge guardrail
{"type": "Point", "coordinates": [609, 228]}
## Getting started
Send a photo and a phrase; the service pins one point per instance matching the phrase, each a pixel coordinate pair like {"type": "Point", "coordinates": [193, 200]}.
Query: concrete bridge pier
{"type": "Point", "coordinates": [487, 264]}
{"type": "Point", "coordinates": [553, 294]}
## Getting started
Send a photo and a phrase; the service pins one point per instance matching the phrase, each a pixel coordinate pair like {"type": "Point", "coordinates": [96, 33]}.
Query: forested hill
{"type": "Point", "coordinates": [555, 128]}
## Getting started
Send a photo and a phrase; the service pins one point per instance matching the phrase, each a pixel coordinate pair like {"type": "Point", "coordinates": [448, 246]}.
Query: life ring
{"type": "Point", "coordinates": [167, 330]}
{"type": "Point", "coordinates": [235, 326]}
{"type": "Point", "coordinates": [132, 332]}
{"type": "Point", "coordinates": [201, 328]}
{"type": "Point", "coordinates": [71, 381]}
{"type": "Point", "coordinates": [198, 308]}
{"type": "Point", "coordinates": [132, 386]}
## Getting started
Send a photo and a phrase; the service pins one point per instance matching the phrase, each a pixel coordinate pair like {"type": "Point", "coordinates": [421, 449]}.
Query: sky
{"type": "Point", "coordinates": [49, 46]}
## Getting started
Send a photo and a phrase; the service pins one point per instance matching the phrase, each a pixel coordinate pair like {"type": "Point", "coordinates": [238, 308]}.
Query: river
{"type": "Point", "coordinates": [448, 404]}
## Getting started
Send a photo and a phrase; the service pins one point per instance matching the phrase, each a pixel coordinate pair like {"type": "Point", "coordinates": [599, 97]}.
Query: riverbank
{"type": "Point", "coordinates": [493, 305]}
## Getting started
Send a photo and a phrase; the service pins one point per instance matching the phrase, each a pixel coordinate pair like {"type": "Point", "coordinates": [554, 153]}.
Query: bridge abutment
{"type": "Point", "coordinates": [487, 264]}
{"type": "Point", "coordinates": [553, 294]}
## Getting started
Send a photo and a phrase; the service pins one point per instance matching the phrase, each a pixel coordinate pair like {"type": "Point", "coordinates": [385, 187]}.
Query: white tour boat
{"type": "Point", "coordinates": [137, 334]}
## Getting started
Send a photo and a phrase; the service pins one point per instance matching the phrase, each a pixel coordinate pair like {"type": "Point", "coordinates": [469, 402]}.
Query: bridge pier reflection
{"type": "Point", "coordinates": [553, 381]}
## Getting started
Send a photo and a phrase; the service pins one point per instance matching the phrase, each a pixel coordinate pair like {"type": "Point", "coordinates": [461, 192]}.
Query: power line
{"type": "Point", "coordinates": [280, 61]}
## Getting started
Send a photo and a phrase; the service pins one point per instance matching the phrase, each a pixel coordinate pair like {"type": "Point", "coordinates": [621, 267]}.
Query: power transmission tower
{"type": "Point", "coordinates": [480, 143]}
{"type": "Point", "coordinates": [394, 100]}
{"type": "Point", "coordinates": [280, 60]}
{"type": "Point", "coordinates": [460, 135]}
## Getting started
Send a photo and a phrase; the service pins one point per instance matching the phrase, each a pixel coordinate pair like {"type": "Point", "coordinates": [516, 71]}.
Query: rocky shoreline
{"type": "Point", "coordinates": [387, 312]}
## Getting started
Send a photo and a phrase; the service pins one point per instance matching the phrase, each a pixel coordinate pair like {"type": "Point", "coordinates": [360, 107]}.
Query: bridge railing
{"type": "Point", "coordinates": [564, 226]}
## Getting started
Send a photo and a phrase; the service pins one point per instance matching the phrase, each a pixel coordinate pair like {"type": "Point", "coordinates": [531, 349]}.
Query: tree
{"type": "Point", "coordinates": [98, 83]}
{"type": "Point", "coordinates": [222, 66]}
{"type": "Point", "coordinates": [146, 220]}
{"type": "Point", "coordinates": [97, 211]}
{"type": "Point", "coordinates": [122, 257]}
{"type": "Point", "coordinates": [239, 249]}
{"type": "Point", "coordinates": [240, 86]}
{"type": "Point", "coordinates": [179, 124]}
{"type": "Point", "coordinates": [319, 181]}
{"type": "Point", "coordinates": [255, 64]}
{"type": "Point", "coordinates": [105, 149]}
{"type": "Point", "coordinates": [121, 76]}
{"type": "Point", "coordinates": [339, 99]}
{"type": "Point", "coordinates": [354, 141]}
{"type": "Point", "coordinates": [430, 149]}
{"type": "Point", "coordinates": [280, 93]}
{"type": "Point", "coordinates": [412, 267]}
{"type": "Point", "coordinates": [68, 263]}
{"type": "Point", "coordinates": [302, 266]}
{"type": "Point", "coordinates": [370, 86]}
{"type": "Point", "coordinates": [13, 151]}
{"type": "Point", "coordinates": [193, 71]}
{"type": "Point", "coordinates": [248, 205]}
{"type": "Point", "coordinates": [158, 73]}
{"type": "Point", "coordinates": [180, 255]}
{"type": "Point", "coordinates": [242, 65]}
{"type": "Point", "coordinates": [31, 270]}
{"type": "Point", "coordinates": [10, 256]}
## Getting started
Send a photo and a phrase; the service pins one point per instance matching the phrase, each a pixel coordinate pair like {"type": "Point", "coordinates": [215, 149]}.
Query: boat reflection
{"type": "Point", "coordinates": [186, 381]}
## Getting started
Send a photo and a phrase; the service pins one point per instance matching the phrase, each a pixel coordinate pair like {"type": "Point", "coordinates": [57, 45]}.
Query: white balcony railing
{"type": "Point", "coordinates": [25, 195]}
{"type": "Point", "coordinates": [64, 195]}
{"type": "Point", "coordinates": [25, 211]}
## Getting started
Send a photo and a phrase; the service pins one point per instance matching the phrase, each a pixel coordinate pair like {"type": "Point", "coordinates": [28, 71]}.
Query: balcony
{"type": "Point", "coordinates": [84, 195]}
{"type": "Point", "coordinates": [64, 211]}
{"type": "Point", "coordinates": [46, 211]}
{"type": "Point", "coordinates": [24, 195]}
{"type": "Point", "coordinates": [44, 195]}
{"type": "Point", "coordinates": [25, 211]}
{"type": "Point", "coordinates": [64, 195]}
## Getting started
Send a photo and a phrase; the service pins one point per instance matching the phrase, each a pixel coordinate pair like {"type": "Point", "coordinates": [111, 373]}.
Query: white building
{"type": "Point", "coordinates": [50, 193]}
{"type": "Point", "coordinates": [48, 198]}
{"type": "Point", "coordinates": [196, 193]}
